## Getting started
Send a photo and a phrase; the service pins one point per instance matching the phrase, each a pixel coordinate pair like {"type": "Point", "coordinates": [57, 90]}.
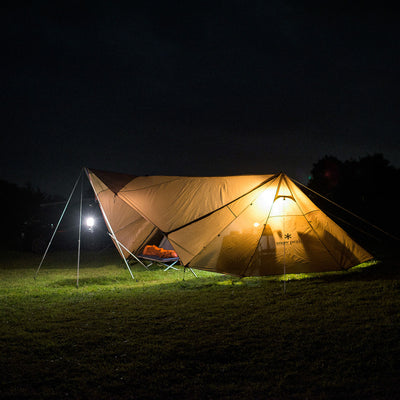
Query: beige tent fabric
{"type": "Point", "coordinates": [289, 235]}
{"type": "Point", "coordinates": [250, 225]}
{"type": "Point", "coordinates": [172, 202]}
{"type": "Point", "coordinates": [128, 226]}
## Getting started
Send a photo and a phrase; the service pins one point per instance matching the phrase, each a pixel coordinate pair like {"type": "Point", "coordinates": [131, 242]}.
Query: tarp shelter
{"type": "Point", "coordinates": [246, 225]}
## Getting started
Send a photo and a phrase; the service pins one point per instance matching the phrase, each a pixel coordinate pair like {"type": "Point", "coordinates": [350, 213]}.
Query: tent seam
{"type": "Point", "coordinates": [215, 236]}
{"type": "Point", "coordinates": [220, 208]}
{"type": "Point", "coordinates": [315, 232]}
{"type": "Point", "coordinates": [265, 223]}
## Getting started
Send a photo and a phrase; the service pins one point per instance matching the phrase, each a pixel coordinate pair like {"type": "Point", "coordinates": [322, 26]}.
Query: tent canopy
{"type": "Point", "coordinates": [246, 225]}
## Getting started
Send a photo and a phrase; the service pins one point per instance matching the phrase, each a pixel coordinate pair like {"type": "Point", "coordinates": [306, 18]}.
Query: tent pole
{"type": "Point", "coordinates": [118, 246]}
{"type": "Point", "coordinates": [112, 234]}
{"type": "Point", "coordinates": [58, 224]}
{"type": "Point", "coordinates": [79, 237]}
{"type": "Point", "coordinates": [284, 247]}
{"type": "Point", "coordinates": [284, 267]}
{"type": "Point", "coordinates": [120, 251]}
{"type": "Point", "coordinates": [128, 251]}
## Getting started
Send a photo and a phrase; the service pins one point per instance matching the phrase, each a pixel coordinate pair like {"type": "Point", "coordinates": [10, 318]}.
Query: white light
{"type": "Point", "coordinates": [90, 222]}
{"type": "Point", "coordinates": [256, 224]}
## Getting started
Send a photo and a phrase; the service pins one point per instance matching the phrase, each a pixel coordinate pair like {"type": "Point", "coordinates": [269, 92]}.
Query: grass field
{"type": "Point", "coordinates": [171, 335]}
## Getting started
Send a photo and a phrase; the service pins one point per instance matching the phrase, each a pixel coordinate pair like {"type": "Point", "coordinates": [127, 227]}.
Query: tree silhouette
{"type": "Point", "coordinates": [366, 187]}
{"type": "Point", "coordinates": [18, 204]}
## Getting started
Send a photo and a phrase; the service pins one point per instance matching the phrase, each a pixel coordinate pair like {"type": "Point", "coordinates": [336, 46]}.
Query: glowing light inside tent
{"type": "Point", "coordinates": [284, 206]}
{"type": "Point", "coordinates": [265, 199]}
{"type": "Point", "coordinates": [260, 208]}
{"type": "Point", "coordinates": [90, 222]}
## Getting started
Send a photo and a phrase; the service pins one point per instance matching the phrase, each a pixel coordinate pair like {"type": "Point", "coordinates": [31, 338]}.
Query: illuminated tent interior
{"type": "Point", "coordinates": [246, 225]}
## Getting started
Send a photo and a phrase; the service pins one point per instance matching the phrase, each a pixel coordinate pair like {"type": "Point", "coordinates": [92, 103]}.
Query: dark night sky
{"type": "Point", "coordinates": [194, 88]}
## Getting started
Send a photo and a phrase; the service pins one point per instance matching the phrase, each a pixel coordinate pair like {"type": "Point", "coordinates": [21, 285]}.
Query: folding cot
{"type": "Point", "coordinates": [166, 262]}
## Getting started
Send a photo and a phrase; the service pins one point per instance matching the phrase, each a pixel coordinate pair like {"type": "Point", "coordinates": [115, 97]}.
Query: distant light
{"type": "Point", "coordinates": [256, 224]}
{"type": "Point", "coordinates": [90, 222]}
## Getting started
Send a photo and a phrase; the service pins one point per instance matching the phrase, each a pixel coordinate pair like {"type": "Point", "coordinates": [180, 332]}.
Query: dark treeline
{"type": "Point", "coordinates": [366, 187]}
{"type": "Point", "coordinates": [18, 205]}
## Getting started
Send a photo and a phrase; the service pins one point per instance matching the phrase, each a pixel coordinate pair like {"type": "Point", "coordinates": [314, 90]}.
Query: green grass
{"type": "Point", "coordinates": [215, 337]}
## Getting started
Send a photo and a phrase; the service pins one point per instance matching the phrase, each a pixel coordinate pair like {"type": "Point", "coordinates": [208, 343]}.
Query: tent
{"type": "Point", "coordinates": [246, 225]}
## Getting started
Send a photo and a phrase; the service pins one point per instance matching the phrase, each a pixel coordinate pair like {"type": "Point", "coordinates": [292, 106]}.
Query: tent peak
{"type": "Point", "coordinates": [114, 180]}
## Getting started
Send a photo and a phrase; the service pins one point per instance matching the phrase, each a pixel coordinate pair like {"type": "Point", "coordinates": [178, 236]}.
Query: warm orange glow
{"type": "Point", "coordinates": [265, 199]}
{"type": "Point", "coordinates": [284, 206]}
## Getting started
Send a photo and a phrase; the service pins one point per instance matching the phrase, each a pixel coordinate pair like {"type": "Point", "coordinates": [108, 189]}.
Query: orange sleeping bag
{"type": "Point", "coordinates": [151, 250]}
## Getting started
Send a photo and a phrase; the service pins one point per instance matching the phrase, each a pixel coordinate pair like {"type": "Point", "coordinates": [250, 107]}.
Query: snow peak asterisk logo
{"type": "Point", "coordinates": [287, 240]}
